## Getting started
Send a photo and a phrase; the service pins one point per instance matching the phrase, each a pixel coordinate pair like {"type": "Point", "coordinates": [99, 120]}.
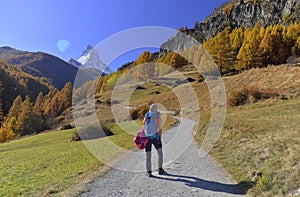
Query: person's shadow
{"type": "Point", "coordinates": [240, 188]}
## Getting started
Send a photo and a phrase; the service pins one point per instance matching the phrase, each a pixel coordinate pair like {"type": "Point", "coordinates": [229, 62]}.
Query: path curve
{"type": "Point", "coordinates": [188, 175]}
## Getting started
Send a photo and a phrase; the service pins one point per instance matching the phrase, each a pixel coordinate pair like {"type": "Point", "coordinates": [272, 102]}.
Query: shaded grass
{"type": "Point", "coordinates": [262, 138]}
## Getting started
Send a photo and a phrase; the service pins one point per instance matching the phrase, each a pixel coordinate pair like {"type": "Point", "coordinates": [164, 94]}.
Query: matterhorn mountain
{"type": "Point", "coordinates": [74, 63]}
{"type": "Point", "coordinates": [90, 59]}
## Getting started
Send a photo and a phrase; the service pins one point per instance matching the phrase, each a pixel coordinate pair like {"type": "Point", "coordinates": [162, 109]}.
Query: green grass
{"type": "Point", "coordinates": [123, 138]}
{"type": "Point", "coordinates": [49, 163]}
{"type": "Point", "coordinates": [43, 164]}
{"type": "Point", "coordinates": [262, 138]}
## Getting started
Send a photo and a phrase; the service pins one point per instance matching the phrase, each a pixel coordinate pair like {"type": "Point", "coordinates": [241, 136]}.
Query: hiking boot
{"type": "Point", "coordinates": [161, 171]}
{"type": "Point", "coordinates": [149, 173]}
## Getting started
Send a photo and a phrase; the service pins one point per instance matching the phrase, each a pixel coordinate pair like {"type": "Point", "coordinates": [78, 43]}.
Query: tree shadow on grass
{"type": "Point", "coordinates": [238, 189]}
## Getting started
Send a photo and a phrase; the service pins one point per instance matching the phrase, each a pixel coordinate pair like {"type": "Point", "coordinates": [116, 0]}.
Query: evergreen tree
{"type": "Point", "coordinates": [10, 124]}
{"type": "Point", "coordinates": [57, 102]}
{"type": "Point", "coordinates": [266, 46]}
{"type": "Point", "coordinates": [236, 39]}
{"type": "Point", "coordinates": [221, 50]}
{"type": "Point", "coordinates": [65, 98]}
{"type": "Point", "coordinates": [250, 55]}
{"type": "Point", "coordinates": [1, 104]}
{"type": "Point", "coordinates": [145, 57]}
{"type": "Point", "coordinates": [15, 109]}
{"type": "Point", "coordinates": [51, 110]}
{"type": "Point", "coordinates": [48, 102]}
{"type": "Point", "coordinates": [279, 52]}
{"type": "Point", "coordinates": [177, 61]}
{"type": "Point", "coordinates": [38, 106]}
{"type": "Point", "coordinates": [39, 113]}
{"type": "Point", "coordinates": [291, 35]}
{"type": "Point", "coordinates": [26, 118]}
{"type": "Point", "coordinates": [297, 46]}
{"type": "Point", "coordinates": [173, 59]}
{"type": "Point", "coordinates": [196, 24]}
{"type": "Point", "coordinates": [6, 133]}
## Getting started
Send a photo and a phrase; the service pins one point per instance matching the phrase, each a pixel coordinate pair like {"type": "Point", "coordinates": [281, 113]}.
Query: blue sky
{"type": "Point", "coordinates": [37, 25]}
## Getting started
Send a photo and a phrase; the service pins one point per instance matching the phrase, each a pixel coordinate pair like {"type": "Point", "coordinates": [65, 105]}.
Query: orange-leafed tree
{"type": "Point", "coordinates": [6, 133]}
{"type": "Point", "coordinates": [26, 118]}
{"type": "Point", "coordinates": [1, 104]}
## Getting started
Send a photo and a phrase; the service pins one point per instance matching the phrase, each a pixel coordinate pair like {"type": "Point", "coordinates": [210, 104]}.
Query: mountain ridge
{"type": "Point", "coordinates": [39, 64]}
{"type": "Point", "coordinates": [237, 13]}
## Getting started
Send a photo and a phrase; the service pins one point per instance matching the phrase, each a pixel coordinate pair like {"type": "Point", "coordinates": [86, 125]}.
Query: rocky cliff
{"type": "Point", "coordinates": [238, 13]}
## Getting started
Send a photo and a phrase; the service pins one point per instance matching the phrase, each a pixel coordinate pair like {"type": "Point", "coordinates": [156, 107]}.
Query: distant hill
{"type": "Point", "coordinates": [39, 64]}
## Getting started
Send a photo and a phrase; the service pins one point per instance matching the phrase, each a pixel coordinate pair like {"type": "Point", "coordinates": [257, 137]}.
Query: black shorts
{"type": "Point", "coordinates": [157, 144]}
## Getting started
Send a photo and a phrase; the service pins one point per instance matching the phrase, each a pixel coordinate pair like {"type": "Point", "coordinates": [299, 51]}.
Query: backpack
{"type": "Point", "coordinates": [140, 139]}
{"type": "Point", "coordinates": [148, 125]}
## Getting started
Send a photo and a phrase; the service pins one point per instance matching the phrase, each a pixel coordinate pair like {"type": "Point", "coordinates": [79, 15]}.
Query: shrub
{"type": "Point", "coordinates": [238, 98]}
{"type": "Point", "coordinates": [66, 126]}
{"type": "Point", "coordinates": [134, 113]}
{"type": "Point", "coordinates": [91, 131]}
{"type": "Point", "coordinates": [142, 110]}
{"type": "Point", "coordinates": [250, 95]}
{"type": "Point", "coordinates": [139, 112]}
{"type": "Point", "coordinates": [269, 93]}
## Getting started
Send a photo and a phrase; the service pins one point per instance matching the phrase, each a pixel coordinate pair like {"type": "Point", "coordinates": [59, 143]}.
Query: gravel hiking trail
{"type": "Point", "coordinates": [186, 175]}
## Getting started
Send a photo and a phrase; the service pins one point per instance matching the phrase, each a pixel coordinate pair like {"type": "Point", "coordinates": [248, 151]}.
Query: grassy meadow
{"type": "Point", "coordinates": [48, 163]}
{"type": "Point", "coordinates": [260, 142]}
{"type": "Point", "coordinates": [51, 164]}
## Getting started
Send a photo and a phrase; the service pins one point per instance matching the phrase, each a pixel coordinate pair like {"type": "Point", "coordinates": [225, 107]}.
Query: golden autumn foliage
{"type": "Point", "coordinates": [1, 105]}
{"type": "Point", "coordinates": [26, 117]}
{"type": "Point", "coordinates": [245, 48]}
{"type": "Point", "coordinates": [173, 59]}
{"type": "Point", "coordinates": [6, 133]}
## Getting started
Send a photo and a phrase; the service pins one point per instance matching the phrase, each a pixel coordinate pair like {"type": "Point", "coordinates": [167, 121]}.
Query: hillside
{"type": "Point", "coordinates": [52, 69]}
{"type": "Point", "coordinates": [259, 143]}
{"type": "Point", "coordinates": [16, 82]}
{"type": "Point", "coordinates": [284, 79]}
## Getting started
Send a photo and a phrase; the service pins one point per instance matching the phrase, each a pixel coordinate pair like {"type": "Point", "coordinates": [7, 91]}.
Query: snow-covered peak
{"type": "Point", "coordinates": [90, 59]}
{"type": "Point", "coordinates": [74, 62]}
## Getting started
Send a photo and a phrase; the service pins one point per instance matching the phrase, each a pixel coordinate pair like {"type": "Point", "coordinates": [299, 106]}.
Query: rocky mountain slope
{"type": "Point", "coordinates": [245, 13]}
{"type": "Point", "coordinates": [90, 59]}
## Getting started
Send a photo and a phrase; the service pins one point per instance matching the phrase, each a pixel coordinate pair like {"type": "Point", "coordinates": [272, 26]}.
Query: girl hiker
{"type": "Point", "coordinates": [153, 132]}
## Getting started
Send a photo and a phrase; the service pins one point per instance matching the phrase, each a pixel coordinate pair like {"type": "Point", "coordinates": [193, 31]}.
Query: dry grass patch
{"type": "Point", "coordinates": [263, 139]}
